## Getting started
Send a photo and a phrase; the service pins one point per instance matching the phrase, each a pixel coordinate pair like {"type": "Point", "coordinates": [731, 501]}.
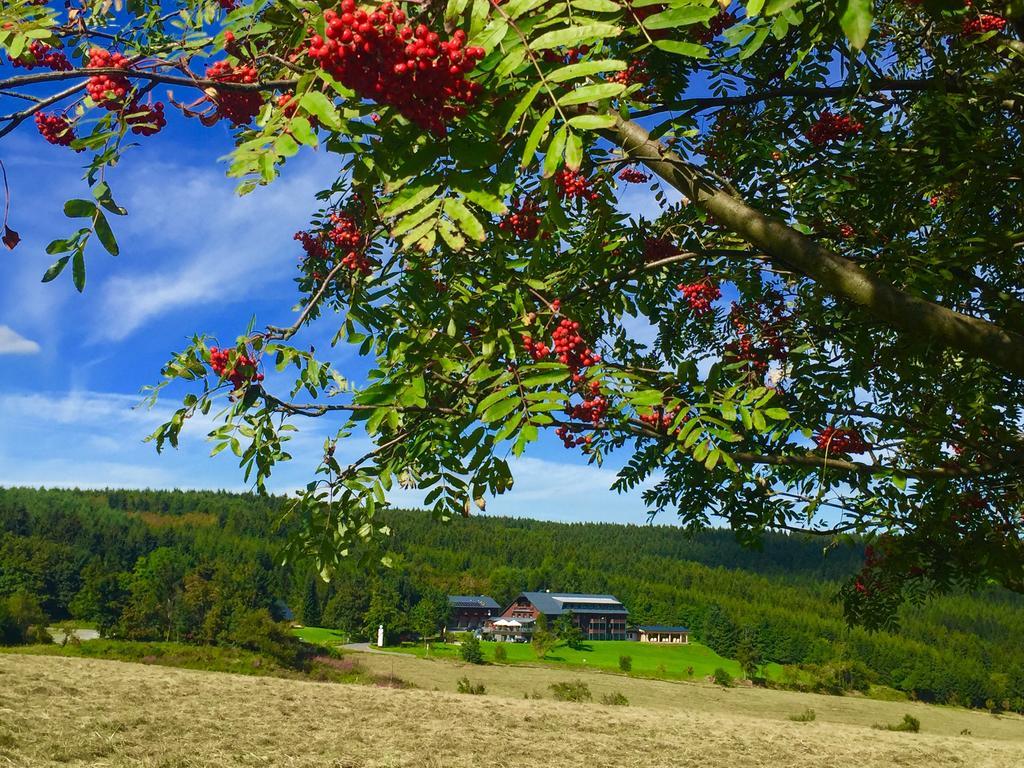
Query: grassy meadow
{"type": "Point", "coordinates": [667, 662]}
{"type": "Point", "coordinates": [65, 711]}
{"type": "Point", "coordinates": [325, 636]}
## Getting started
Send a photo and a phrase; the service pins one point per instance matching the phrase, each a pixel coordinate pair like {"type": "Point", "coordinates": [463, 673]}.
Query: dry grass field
{"type": "Point", "coordinates": [82, 712]}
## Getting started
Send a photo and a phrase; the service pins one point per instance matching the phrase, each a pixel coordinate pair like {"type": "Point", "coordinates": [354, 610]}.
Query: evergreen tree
{"type": "Point", "coordinates": [470, 650]}
{"type": "Point", "coordinates": [311, 614]}
{"type": "Point", "coordinates": [543, 639]}
{"type": "Point", "coordinates": [568, 631]}
{"type": "Point", "coordinates": [748, 654]}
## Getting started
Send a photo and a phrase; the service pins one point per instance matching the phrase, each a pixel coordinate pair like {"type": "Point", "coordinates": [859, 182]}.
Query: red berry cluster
{"type": "Point", "coordinates": [286, 104]}
{"type": "Point", "coordinates": [592, 409]}
{"type": "Point", "coordinates": [770, 326]}
{"type": "Point", "coordinates": [715, 27]}
{"type": "Point", "coordinates": [146, 119]}
{"type": "Point", "coordinates": [846, 231]}
{"type": "Point", "coordinates": [933, 201]}
{"type": "Point", "coordinates": [832, 127]}
{"type": "Point", "coordinates": [523, 220]}
{"type": "Point", "coordinates": [659, 419]}
{"type": "Point", "coordinates": [239, 374]}
{"type": "Point", "coordinates": [40, 54]}
{"type": "Point", "coordinates": [658, 248]}
{"type": "Point", "coordinates": [873, 557]}
{"type": "Point", "coordinates": [349, 239]}
{"type": "Point", "coordinates": [646, 11]}
{"type": "Point", "coordinates": [634, 175]}
{"type": "Point", "coordinates": [569, 440]}
{"type": "Point", "coordinates": [635, 73]}
{"type": "Point", "coordinates": [536, 349]}
{"type": "Point", "coordinates": [381, 58]}
{"type": "Point", "coordinates": [108, 91]}
{"type": "Point", "coordinates": [571, 349]}
{"type": "Point", "coordinates": [571, 56]}
{"type": "Point", "coordinates": [837, 440]}
{"type": "Point", "coordinates": [313, 245]}
{"type": "Point", "coordinates": [227, 5]}
{"type": "Point", "coordinates": [240, 107]}
{"type": "Point", "coordinates": [55, 129]}
{"type": "Point", "coordinates": [700, 295]}
{"type": "Point", "coordinates": [572, 184]}
{"type": "Point", "coordinates": [979, 25]}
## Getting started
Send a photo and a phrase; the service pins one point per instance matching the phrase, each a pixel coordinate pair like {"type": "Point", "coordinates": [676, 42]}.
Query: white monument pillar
{"type": "Point", "coordinates": [380, 635]}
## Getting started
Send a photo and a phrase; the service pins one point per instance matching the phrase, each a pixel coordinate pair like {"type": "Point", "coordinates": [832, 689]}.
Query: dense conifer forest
{"type": "Point", "coordinates": [202, 567]}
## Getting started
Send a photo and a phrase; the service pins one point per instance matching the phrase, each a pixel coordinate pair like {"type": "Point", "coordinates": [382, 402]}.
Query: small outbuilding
{"type": "Point", "coordinates": [659, 633]}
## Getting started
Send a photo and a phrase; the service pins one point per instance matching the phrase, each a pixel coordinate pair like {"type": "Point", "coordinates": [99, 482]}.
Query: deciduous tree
{"type": "Point", "coordinates": [816, 325]}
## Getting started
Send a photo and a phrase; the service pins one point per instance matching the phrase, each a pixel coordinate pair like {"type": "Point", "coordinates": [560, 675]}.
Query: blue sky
{"type": "Point", "coordinates": [194, 258]}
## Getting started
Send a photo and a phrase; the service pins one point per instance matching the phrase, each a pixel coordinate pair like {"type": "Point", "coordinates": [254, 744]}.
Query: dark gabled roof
{"type": "Point", "coordinates": [662, 628]}
{"type": "Point", "coordinates": [557, 603]}
{"type": "Point", "coordinates": [473, 601]}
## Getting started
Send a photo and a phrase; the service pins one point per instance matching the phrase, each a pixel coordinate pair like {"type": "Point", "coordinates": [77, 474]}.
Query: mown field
{"type": "Point", "coordinates": [667, 662]}
{"type": "Point", "coordinates": [59, 711]}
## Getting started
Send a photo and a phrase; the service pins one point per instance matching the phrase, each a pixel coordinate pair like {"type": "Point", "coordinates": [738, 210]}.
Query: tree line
{"type": "Point", "coordinates": [202, 567]}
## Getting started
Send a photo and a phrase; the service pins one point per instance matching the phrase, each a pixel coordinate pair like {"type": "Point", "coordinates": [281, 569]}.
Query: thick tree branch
{"type": "Point", "coordinates": [795, 91]}
{"type": "Point", "coordinates": [860, 467]}
{"type": "Point", "coordinates": [17, 118]}
{"type": "Point", "coordinates": [836, 274]}
{"type": "Point", "coordinates": [33, 78]}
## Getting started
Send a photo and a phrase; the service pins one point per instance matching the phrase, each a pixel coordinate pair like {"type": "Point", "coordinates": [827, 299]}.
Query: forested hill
{"type": "Point", "coordinates": [161, 564]}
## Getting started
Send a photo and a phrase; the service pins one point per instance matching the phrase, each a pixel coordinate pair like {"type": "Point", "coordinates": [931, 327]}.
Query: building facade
{"type": "Point", "coordinates": [599, 617]}
{"type": "Point", "coordinates": [469, 612]}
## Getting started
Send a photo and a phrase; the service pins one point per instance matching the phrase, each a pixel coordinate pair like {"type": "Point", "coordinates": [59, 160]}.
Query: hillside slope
{"type": "Point", "coordinates": [62, 711]}
{"type": "Point", "coordinates": [102, 556]}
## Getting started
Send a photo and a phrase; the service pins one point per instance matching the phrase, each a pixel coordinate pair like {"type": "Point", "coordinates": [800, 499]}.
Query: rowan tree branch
{"type": "Point", "coordinates": [796, 91]}
{"type": "Point", "coordinates": [860, 467]}
{"type": "Point", "coordinates": [140, 74]}
{"type": "Point", "coordinates": [17, 118]}
{"type": "Point", "coordinates": [840, 276]}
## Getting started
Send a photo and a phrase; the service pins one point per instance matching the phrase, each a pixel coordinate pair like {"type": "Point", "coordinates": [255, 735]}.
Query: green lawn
{"type": "Point", "coordinates": [669, 662]}
{"type": "Point", "coordinates": [320, 636]}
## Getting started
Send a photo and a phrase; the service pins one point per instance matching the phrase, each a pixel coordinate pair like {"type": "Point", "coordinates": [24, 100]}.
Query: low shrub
{"type": "Point", "coordinates": [257, 631]}
{"type": "Point", "coordinates": [807, 716]}
{"type": "Point", "coordinates": [22, 620]}
{"type": "Point", "coordinates": [722, 678]}
{"type": "Point", "coordinates": [67, 632]}
{"type": "Point", "coordinates": [576, 690]}
{"type": "Point", "coordinates": [909, 724]}
{"type": "Point", "coordinates": [626, 663]}
{"type": "Point", "coordinates": [470, 650]}
{"type": "Point", "coordinates": [330, 669]}
{"type": "Point", "coordinates": [464, 685]}
{"type": "Point", "coordinates": [392, 681]}
{"type": "Point", "coordinates": [500, 654]}
{"type": "Point", "coordinates": [615, 699]}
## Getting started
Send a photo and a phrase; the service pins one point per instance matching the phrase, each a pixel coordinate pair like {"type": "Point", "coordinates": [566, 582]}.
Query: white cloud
{"type": "Point", "coordinates": [209, 246]}
{"type": "Point", "coordinates": [13, 343]}
{"type": "Point", "coordinates": [95, 439]}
